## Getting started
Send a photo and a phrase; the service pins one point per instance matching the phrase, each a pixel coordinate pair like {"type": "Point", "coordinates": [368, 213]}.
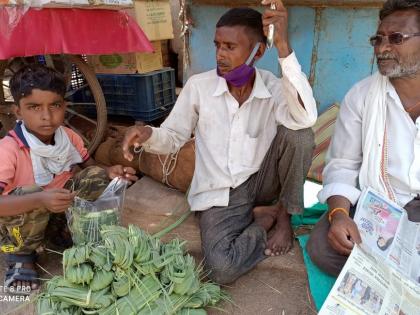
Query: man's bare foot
{"type": "Point", "coordinates": [280, 241]}
{"type": "Point", "coordinates": [265, 216]}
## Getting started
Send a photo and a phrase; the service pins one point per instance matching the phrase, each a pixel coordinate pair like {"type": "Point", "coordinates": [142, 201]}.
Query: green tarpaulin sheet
{"type": "Point", "coordinates": [320, 283]}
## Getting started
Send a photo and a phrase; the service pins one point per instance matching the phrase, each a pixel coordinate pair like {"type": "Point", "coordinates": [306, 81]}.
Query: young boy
{"type": "Point", "coordinates": [36, 173]}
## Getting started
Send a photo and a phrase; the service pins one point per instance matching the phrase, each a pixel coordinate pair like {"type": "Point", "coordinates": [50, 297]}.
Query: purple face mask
{"type": "Point", "coordinates": [241, 75]}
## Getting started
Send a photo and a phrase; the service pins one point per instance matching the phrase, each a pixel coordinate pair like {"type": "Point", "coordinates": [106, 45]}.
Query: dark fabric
{"type": "Point", "coordinates": [24, 233]}
{"type": "Point", "coordinates": [325, 257]}
{"type": "Point", "coordinates": [12, 258]}
{"type": "Point", "coordinates": [232, 243]}
{"type": "Point", "coordinates": [320, 250]}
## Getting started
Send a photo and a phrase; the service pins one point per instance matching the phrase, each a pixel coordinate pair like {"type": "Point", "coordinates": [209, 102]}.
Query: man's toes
{"type": "Point", "coordinates": [267, 252]}
{"type": "Point", "coordinates": [288, 248]}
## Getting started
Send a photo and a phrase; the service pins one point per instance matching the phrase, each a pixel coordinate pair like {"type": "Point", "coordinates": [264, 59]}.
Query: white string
{"type": "Point", "coordinates": [168, 165]}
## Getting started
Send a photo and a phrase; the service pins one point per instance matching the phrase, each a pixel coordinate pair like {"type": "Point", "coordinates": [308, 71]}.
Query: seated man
{"type": "Point", "coordinates": [376, 137]}
{"type": "Point", "coordinates": [253, 143]}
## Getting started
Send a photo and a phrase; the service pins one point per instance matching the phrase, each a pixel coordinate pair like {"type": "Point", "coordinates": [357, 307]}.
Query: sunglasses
{"type": "Point", "coordinates": [393, 39]}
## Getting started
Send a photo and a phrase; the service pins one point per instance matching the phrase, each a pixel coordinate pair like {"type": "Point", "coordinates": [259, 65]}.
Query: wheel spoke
{"type": "Point", "coordinates": [70, 93]}
{"type": "Point", "coordinates": [68, 124]}
{"type": "Point", "coordinates": [81, 103]}
{"type": "Point", "coordinates": [81, 116]}
{"type": "Point", "coordinates": [6, 104]}
{"type": "Point", "coordinates": [49, 61]}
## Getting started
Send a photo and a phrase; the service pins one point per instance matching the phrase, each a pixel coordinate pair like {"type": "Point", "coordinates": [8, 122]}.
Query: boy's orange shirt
{"type": "Point", "coordinates": [16, 164]}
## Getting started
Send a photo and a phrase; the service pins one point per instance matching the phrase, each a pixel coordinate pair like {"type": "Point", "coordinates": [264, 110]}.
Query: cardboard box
{"type": "Point", "coordinates": [155, 19]}
{"type": "Point", "coordinates": [128, 63]}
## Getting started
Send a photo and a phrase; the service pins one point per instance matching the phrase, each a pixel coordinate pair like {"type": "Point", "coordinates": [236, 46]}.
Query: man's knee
{"type": "Point", "coordinates": [220, 270]}
{"type": "Point", "coordinates": [322, 256]}
{"type": "Point", "coordinates": [302, 139]}
{"type": "Point", "coordinates": [312, 247]}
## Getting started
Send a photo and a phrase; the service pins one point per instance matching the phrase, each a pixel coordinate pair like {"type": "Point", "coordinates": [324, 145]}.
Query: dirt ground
{"type": "Point", "coordinates": [278, 285]}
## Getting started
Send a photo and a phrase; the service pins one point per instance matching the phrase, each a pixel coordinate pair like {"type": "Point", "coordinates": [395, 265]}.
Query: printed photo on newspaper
{"type": "Point", "coordinates": [387, 232]}
{"type": "Point", "coordinates": [377, 219]}
{"type": "Point", "coordinates": [382, 275]}
{"type": "Point", "coordinates": [368, 286]}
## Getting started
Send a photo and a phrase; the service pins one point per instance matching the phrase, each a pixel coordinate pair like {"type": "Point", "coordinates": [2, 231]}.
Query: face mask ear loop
{"type": "Point", "coordinates": [253, 53]}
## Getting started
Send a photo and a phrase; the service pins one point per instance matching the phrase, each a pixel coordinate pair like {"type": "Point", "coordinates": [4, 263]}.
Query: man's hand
{"type": "Point", "coordinates": [125, 172]}
{"type": "Point", "coordinates": [279, 19]}
{"type": "Point", "coordinates": [135, 136]}
{"type": "Point", "coordinates": [343, 233]}
{"type": "Point", "coordinates": [56, 200]}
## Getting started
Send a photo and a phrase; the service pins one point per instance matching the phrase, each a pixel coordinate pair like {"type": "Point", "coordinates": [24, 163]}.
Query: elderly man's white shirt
{"type": "Point", "coordinates": [340, 176]}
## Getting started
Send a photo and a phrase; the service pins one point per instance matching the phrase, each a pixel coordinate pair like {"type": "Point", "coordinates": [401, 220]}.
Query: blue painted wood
{"type": "Point", "coordinates": [202, 51]}
{"type": "Point", "coordinates": [344, 55]}
{"type": "Point", "coordinates": [338, 46]}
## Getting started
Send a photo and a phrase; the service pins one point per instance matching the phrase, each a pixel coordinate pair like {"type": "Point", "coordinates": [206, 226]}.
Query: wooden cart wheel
{"type": "Point", "coordinates": [88, 119]}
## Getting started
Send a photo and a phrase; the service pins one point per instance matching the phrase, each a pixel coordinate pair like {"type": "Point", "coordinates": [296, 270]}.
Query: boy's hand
{"type": "Point", "coordinates": [125, 172]}
{"type": "Point", "coordinates": [135, 136]}
{"type": "Point", "coordinates": [279, 19]}
{"type": "Point", "coordinates": [56, 200]}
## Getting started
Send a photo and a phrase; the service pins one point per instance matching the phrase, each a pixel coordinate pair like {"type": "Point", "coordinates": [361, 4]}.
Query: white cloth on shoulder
{"type": "Point", "coordinates": [49, 160]}
{"type": "Point", "coordinates": [374, 165]}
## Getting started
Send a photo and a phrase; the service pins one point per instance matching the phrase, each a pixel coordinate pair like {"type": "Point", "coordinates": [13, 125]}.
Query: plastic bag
{"type": "Point", "coordinates": [85, 218]}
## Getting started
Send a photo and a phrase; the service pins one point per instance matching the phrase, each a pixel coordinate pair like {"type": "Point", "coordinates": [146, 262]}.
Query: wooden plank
{"type": "Point", "coordinates": [310, 3]}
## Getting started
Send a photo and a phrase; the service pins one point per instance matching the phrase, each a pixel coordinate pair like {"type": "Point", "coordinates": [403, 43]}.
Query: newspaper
{"type": "Point", "coordinates": [367, 285]}
{"type": "Point", "coordinates": [382, 276]}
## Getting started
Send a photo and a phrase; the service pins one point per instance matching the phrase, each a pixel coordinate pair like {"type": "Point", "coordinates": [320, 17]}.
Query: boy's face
{"type": "Point", "coordinates": [42, 112]}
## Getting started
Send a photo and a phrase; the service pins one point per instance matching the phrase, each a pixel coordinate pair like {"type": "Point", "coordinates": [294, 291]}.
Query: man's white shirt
{"type": "Point", "coordinates": [340, 176]}
{"type": "Point", "coordinates": [231, 141]}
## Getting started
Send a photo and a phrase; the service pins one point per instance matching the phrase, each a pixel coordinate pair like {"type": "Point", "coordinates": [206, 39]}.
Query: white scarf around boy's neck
{"type": "Point", "coordinates": [49, 160]}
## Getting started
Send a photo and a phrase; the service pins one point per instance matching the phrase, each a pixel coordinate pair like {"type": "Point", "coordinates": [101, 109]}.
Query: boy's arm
{"type": "Point", "coordinates": [54, 200]}
{"type": "Point", "coordinates": [15, 205]}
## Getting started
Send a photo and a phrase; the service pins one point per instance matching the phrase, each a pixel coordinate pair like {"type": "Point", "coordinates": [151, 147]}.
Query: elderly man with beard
{"type": "Point", "coordinates": [377, 137]}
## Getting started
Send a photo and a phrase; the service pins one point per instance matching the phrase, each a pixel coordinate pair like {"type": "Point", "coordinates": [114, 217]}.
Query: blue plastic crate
{"type": "Point", "coordinates": [145, 97]}
{"type": "Point", "coordinates": [139, 92]}
{"type": "Point", "coordinates": [144, 116]}
{"type": "Point", "coordinates": [147, 116]}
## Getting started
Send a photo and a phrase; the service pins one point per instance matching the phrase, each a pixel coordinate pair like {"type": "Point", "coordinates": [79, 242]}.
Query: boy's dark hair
{"type": "Point", "coordinates": [36, 76]}
{"type": "Point", "coordinates": [392, 6]}
{"type": "Point", "coordinates": [249, 18]}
